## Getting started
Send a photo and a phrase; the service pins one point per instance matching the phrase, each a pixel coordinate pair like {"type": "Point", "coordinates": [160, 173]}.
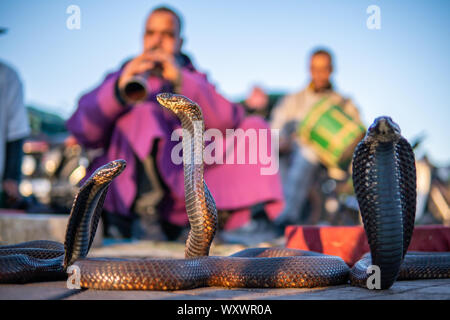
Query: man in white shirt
{"type": "Point", "coordinates": [298, 166]}
{"type": "Point", "coordinates": [14, 128]}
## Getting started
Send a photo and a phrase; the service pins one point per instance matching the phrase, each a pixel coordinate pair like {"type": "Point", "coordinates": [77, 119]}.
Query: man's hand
{"type": "Point", "coordinates": [170, 67]}
{"type": "Point", "coordinates": [257, 100]}
{"type": "Point", "coordinates": [147, 61]}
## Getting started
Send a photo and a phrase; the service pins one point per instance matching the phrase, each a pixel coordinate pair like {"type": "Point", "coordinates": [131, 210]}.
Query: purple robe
{"type": "Point", "coordinates": [100, 121]}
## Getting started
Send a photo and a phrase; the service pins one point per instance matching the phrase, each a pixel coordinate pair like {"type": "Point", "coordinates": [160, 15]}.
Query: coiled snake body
{"type": "Point", "coordinates": [379, 166]}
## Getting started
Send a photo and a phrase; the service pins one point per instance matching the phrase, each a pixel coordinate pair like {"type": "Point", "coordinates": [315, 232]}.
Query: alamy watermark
{"type": "Point", "coordinates": [73, 281]}
{"type": "Point", "coordinates": [373, 22]}
{"type": "Point", "coordinates": [374, 280]}
{"type": "Point", "coordinates": [230, 148]}
{"type": "Point", "coordinates": [73, 22]}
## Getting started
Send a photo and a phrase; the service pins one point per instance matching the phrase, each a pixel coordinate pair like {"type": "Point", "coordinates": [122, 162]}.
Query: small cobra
{"type": "Point", "coordinates": [48, 260]}
{"type": "Point", "coordinates": [257, 267]}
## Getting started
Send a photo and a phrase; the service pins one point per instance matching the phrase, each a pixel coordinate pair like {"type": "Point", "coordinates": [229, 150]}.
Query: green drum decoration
{"type": "Point", "coordinates": [331, 133]}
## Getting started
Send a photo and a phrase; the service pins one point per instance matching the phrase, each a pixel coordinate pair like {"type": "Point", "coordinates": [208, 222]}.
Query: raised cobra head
{"type": "Point", "coordinates": [105, 174]}
{"type": "Point", "coordinates": [383, 129]}
{"type": "Point", "coordinates": [180, 105]}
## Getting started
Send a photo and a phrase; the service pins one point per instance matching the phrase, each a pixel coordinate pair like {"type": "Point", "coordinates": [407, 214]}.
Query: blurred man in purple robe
{"type": "Point", "coordinates": [140, 131]}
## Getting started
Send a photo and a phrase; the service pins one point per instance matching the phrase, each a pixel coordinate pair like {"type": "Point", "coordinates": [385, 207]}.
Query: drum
{"type": "Point", "coordinates": [331, 133]}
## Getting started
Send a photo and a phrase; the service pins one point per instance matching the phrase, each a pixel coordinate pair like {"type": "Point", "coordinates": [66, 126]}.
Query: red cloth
{"type": "Point", "coordinates": [350, 242]}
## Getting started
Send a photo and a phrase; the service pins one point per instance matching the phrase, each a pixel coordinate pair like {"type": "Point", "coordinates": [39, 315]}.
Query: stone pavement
{"type": "Point", "coordinates": [438, 289]}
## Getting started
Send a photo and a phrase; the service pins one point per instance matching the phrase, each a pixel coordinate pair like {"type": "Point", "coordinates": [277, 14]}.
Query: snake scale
{"type": "Point", "coordinates": [384, 180]}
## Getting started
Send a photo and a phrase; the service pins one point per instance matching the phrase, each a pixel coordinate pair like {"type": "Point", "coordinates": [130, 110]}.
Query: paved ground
{"type": "Point", "coordinates": [438, 289]}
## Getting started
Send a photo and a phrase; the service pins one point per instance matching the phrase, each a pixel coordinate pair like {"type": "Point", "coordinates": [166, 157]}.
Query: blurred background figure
{"type": "Point", "coordinates": [123, 119]}
{"type": "Point", "coordinates": [259, 102]}
{"type": "Point", "coordinates": [14, 128]}
{"type": "Point", "coordinates": [314, 108]}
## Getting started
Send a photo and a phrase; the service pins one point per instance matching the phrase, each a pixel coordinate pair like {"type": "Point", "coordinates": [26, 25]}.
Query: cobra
{"type": "Point", "coordinates": [257, 267]}
{"type": "Point", "coordinates": [384, 179]}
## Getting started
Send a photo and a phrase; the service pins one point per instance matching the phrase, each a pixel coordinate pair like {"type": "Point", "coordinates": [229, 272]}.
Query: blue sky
{"type": "Point", "coordinates": [401, 70]}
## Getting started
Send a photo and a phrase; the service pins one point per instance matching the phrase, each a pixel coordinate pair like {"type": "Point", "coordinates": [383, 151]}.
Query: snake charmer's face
{"type": "Point", "coordinates": [162, 32]}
